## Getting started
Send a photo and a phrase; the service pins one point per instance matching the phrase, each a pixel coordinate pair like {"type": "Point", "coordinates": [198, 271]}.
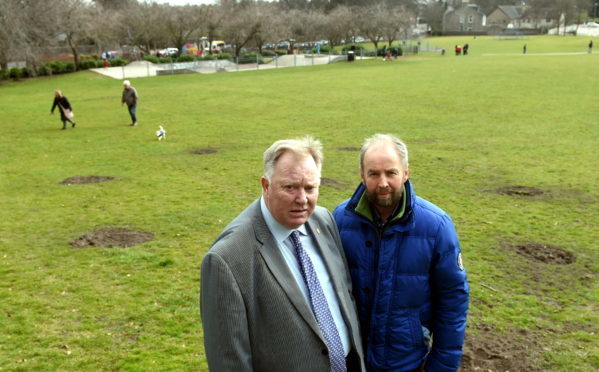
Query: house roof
{"type": "Point", "coordinates": [512, 11]}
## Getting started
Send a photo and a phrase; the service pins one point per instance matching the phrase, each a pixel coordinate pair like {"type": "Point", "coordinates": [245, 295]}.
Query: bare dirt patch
{"type": "Point", "coordinates": [542, 253]}
{"type": "Point", "coordinates": [488, 350]}
{"type": "Point", "coordinates": [330, 182]}
{"type": "Point", "coordinates": [204, 151]}
{"type": "Point", "coordinates": [110, 237]}
{"type": "Point", "coordinates": [518, 190]}
{"type": "Point", "coordinates": [76, 180]}
{"type": "Point", "coordinates": [348, 149]}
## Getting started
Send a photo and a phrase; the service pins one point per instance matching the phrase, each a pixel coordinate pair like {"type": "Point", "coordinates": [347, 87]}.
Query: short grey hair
{"type": "Point", "coordinates": [399, 145]}
{"type": "Point", "coordinates": [305, 146]}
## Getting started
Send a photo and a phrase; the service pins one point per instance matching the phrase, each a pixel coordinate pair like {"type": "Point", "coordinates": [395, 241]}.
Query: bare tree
{"type": "Point", "coordinates": [370, 22]}
{"type": "Point", "coordinates": [241, 26]}
{"type": "Point", "coordinates": [339, 25]}
{"type": "Point", "coordinates": [141, 26]}
{"type": "Point", "coordinates": [267, 18]}
{"type": "Point", "coordinates": [76, 19]}
{"type": "Point", "coordinates": [179, 23]}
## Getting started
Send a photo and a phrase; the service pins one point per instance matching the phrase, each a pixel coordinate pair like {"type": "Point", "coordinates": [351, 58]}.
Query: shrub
{"type": "Point", "coordinates": [69, 67]}
{"type": "Point", "coordinates": [87, 64]}
{"type": "Point", "coordinates": [281, 52]}
{"type": "Point", "coordinates": [325, 49]}
{"type": "Point", "coordinates": [208, 57]}
{"type": "Point", "coordinates": [224, 56]}
{"type": "Point", "coordinates": [151, 59]}
{"type": "Point", "coordinates": [186, 58]}
{"type": "Point", "coordinates": [100, 63]}
{"type": "Point", "coordinates": [165, 60]}
{"type": "Point", "coordinates": [357, 48]}
{"type": "Point", "coordinates": [27, 72]}
{"type": "Point", "coordinates": [14, 73]}
{"type": "Point", "coordinates": [268, 53]}
{"type": "Point", "coordinates": [44, 70]}
{"type": "Point", "coordinates": [3, 74]}
{"type": "Point", "coordinates": [118, 62]}
{"type": "Point", "coordinates": [56, 67]}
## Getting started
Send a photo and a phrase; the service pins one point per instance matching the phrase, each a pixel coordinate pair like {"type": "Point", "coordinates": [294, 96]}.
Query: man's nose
{"type": "Point", "coordinates": [301, 197]}
{"type": "Point", "coordinates": [383, 182]}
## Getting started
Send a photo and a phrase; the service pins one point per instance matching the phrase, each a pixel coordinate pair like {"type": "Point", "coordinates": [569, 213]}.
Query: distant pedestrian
{"type": "Point", "coordinates": [524, 49]}
{"type": "Point", "coordinates": [458, 50]}
{"type": "Point", "coordinates": [384, 52]}
{"type": "Point", "coordinates": [64, 106]}
{"type": "Point", "coordinates": [130, 98]}
{"type": "Point", "coordinates": [465, 49]}
{"type": "Point", "coordinates": [590, 46]}
{"type": "Point", "coordinates": [442, 51]}
{"type": "Point", "coordinates": [106, 63]}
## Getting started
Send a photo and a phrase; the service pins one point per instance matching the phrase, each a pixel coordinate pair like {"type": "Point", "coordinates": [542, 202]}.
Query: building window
{"type": "Point", "coordinates": [461, 19]}
{"type": "Point", "coordinates": [470, 19]}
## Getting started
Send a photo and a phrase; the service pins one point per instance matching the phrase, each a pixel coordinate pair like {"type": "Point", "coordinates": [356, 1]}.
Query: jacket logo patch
{"type": "Point", "coordinates": [460, 262]}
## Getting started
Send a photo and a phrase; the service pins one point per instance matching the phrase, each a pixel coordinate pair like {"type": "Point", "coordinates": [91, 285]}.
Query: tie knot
{"type": "Point", "coordinates": [295, 237]}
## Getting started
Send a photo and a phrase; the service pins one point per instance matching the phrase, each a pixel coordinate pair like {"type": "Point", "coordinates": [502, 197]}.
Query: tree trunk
{"type": "Point", "coordinates": [74, 50]}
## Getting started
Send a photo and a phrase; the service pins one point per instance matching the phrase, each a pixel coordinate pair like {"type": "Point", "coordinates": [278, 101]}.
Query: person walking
{"type": "Point", "coordinates": [64, 106]}
{"type": "Point", "coordinates": [590, 46]}
{"type": "Point", "coordinates": [130, 98]}
{"type": "Point", "coordinates": [406, 267]}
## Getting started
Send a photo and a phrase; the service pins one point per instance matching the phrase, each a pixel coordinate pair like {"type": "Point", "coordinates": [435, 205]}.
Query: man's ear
{"type": "Point", "coordinates": [406, 175]}
{"type": "Point", "coordinates": [265, 185]}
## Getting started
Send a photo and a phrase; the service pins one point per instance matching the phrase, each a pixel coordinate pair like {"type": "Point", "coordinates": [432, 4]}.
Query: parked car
{"type": "Point", "coordinates": [168, 52]}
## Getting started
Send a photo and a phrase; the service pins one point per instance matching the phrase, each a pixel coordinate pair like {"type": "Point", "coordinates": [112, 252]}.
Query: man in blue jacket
{"type": "Point", "coordinates": [406, 267]}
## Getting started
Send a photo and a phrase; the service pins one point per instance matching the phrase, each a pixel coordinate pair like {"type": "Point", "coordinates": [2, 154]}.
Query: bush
{"type": "Point", "coordinates": [325, 49]}
{"type": "Point", "coordinates": [165, 60]}
{"type": "Point", "coordinates": [281, 52]}
{"type": "Point", "coordinates": [151, 59]}
{"type": "Point", "coordinates": [87, 64]}
{"type": "Point", "coordinates": [100, 63]}
{"type": "Point", "coordinates": [27, 72]}
{"type": "Point", "coordinates": [268, 53]}
{"type": "Point", "coordinates": [14, 73]}
{"type": "Point", "coordinates": [118, 62]}
{"type": "Point", "coordinates": [224, 56]}
{"type": "Point", "coordinates": [44, 70]}
{"type": "Point", "coordinates": [69, 67]}
{"type": "Point", "coordinates": [358, 47]}
{"type": "Point", "coordinates": [88, 57]}
{"type": "Point", "coordinates": [208, 57]}
{"type": "Point", "coordinates": [186, 58]}
{"type": "Point", "coordinates": [56, 67]}
{"type": "Point", "coordinates": [3, 74]}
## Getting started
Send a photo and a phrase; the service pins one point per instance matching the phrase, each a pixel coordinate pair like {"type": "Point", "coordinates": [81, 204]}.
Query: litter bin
{"type": "Point", "coordinates": [351, 56]}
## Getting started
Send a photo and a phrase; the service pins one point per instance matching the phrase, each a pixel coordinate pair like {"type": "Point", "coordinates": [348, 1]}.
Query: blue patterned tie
{"type": "Point", "coordinates": [320, 307]}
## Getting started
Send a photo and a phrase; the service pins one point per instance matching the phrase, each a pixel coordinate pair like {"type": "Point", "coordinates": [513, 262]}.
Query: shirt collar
{"type": "Point", "coordinates": [280, 232]}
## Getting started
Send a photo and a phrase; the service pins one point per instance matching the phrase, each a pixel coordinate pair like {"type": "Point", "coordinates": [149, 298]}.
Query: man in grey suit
{"type": "Point", "coordinates": [275, 290]}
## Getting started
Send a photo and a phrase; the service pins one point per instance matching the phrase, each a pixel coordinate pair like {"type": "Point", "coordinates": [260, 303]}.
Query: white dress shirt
{"type": "Point", "coordinates": [281, 235]}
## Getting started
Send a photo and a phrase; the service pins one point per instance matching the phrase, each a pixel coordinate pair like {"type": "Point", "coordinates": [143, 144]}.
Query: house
{"type": "Point", "coordinates": [517, 18]}
{"type": "Point", "coordinates": [466, 19]}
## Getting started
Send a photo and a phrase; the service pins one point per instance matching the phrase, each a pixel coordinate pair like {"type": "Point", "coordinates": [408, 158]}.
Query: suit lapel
{"type": "Point", "coordinates": [269, 250]}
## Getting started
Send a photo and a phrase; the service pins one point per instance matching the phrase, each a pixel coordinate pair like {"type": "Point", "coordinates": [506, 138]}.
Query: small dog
{"type": "Point", "coordinates": [161, 133]}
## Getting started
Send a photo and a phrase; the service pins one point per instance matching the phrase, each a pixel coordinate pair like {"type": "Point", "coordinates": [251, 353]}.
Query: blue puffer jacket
{"type": "Point", "coordinates": [409, 283]}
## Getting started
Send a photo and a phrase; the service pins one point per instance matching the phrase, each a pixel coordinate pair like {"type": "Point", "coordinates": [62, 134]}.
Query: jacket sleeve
{"type": "Point", "coordinates": [226, 337]}
{"type": "Point", "coordinates": [450, 294]}
{"type": "Point", "coordinates": [54, 104]}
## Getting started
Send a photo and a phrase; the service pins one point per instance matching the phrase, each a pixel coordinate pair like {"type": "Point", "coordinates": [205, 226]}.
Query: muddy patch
{"type": "Point", "coordinates": [77, 180]}
{"type": "Point", "coordinates": [518, 190]}
{"type": "Point", "coordinates": [110, 237]}
{"type": "Point", "coordinates": [348, 149]}
{"type": "Point", "coordinates": [488, 350]}
{"type": "Point", "coordinates": [333, 183]}
{"type": "Point", "coordinates": [542, 253]}
{"type": "Point", "coordinates": [204, 151]}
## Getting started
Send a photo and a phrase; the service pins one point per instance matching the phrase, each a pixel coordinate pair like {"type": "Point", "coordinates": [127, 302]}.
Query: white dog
{"type": "Point", "coordinates": [161, 133]}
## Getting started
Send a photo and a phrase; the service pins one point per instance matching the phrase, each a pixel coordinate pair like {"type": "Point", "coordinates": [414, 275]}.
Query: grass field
{"type": "Point", "coordinates": [476, 126]}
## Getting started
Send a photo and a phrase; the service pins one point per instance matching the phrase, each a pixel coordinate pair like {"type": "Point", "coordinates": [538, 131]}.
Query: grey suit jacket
{"type": "Point", "coordinates": [254, 315]}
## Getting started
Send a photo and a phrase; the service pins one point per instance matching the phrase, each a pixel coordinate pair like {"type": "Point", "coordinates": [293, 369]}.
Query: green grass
{"type": "Point", "coordinates": [472, 124]}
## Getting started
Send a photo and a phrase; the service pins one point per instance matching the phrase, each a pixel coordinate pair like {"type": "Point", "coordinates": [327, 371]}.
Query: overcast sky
{"type": "Point", "coordinates": [183, 2]}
